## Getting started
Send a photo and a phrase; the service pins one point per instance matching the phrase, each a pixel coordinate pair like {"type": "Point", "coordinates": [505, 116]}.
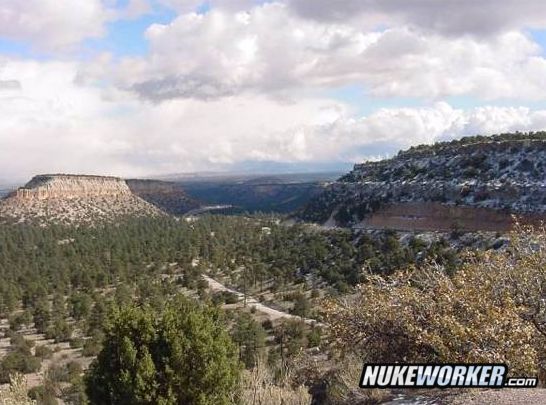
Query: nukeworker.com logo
{"type": "Point", "coordinates": [441, 376]}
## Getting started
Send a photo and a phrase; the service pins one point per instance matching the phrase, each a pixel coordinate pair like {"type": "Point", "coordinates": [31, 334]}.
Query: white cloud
{"type": "Point", "coordinates": [231, 85]}
{"type": "Point", "coordinates": [52, 24]}
{"type": "Point", "coordinates": [355, 139]}
{"type": "Point", "coordinates": [61, 25]}
{"type": "Point", "coordinates": [188, 6]}
{"type": "Point", "coordinates": [53, 123]}
{"type": "Point", "coordinates": [223, 53]}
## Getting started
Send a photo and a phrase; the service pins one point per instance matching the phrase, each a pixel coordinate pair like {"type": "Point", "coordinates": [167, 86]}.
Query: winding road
{"type": "Point", "coordinates": [271, 312]}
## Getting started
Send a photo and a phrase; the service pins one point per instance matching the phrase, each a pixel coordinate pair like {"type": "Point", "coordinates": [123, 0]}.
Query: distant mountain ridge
{"type": "Point", "coordinates": [491, 177]}
{"type": "Point", "coordinates": [69, 198]}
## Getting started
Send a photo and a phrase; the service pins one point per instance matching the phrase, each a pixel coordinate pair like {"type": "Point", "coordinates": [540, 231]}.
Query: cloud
{"type": "Point", "coordinates": [9, 85]}
{"type": "Point", "coordinates": [448, 17]}
{"type": "Point", "coordinates": [52, 24]}
{"type": "Point", "coordinates": [188, 6]}
{"type": "Point", "coordinates": [55, 123]}
{"type": "Point", "coordinates": [61, 25]}
{"type": "Point", "coordinates": [224, 53]}
{"type": "Point", "coordinates": [247, 82]}
{"type": "Point", "coordinates": [392, 129]}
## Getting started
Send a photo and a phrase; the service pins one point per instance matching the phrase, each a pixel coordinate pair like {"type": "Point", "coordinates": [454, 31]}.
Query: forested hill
{"type": "Point", "coordinates": [475, 183]}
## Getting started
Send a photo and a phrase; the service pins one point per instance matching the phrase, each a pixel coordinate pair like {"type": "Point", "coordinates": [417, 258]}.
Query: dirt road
{"type": "Point", "coordinates": [251, 301]}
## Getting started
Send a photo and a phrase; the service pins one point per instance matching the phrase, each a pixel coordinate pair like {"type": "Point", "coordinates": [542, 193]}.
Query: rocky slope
{"type": "Point", "coordinates": [64, 198]}
{"type": "Point", "coordinates": [168, 196]}
{"type": "Point", "coordinates": [475, 183]}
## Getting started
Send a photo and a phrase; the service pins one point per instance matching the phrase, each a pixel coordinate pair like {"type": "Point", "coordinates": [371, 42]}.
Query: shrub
{"type": "Point", "coordinates": [259, 387]}
{"type": "Point", "coordinates": [92, 347]}
{"type": "Point", "coordinates": [15, 393]}
{"type": "Point", "coordinates": [76, 343]}
{"type": "Point", "coordinates": [250, 337]}
{"type": "Point", "coordinates": [43, 352]}
{"type": "Point", "coordinates": [225, 297]}
{"type": "Point", "coordinates": [17, 362]}
{"type": "Point", "coordinates": [43, 394]}
{"type": "Point", "coordinates": [181, 355]}
{"type": "Point", "coordinates": [491, 310]}
{"type": "Point", "coordinates": [314, 337]}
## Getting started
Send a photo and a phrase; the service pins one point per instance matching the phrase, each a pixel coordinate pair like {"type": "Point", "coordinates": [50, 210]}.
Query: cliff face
{"type": "Point", "coordinates": [63, 198]}
{"type": "Point", "coordinates": [168, 196]}
{"type": "Point", "coordinates": [48, 186]}
{"type": "Point", "coordinates": [491, 177]}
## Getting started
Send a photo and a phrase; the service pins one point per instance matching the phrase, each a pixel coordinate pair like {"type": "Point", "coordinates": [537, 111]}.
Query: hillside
{"type": "Point", "coordinates": [168, 196]}
{"type": "Point", "coordinates": [282, 193]}
{"type": "Point", "coordinates": [475, 183]}
{"type": "Point", "coordinates": [65, 198]}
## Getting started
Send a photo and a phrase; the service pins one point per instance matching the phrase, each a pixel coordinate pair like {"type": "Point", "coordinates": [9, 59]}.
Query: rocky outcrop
{"type": "Point", "coordinates": [64, 198]}
{"type": "Point", "coordinates": [433, 216]}
{"type": "Point", "coordinates": [490, 177]}
{"type": "Point", "coordinates": [168, 196]}
{"type": "Point", "coordinates": [68, 186]}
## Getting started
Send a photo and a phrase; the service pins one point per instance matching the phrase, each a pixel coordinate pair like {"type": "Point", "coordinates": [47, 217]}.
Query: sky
{"type": "Point", "coordinates": [140, 88]}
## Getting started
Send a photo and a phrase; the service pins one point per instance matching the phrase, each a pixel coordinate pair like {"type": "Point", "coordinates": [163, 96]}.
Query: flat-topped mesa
{"type": "Point", "coordinates": [47, 186]}
{"type": "Point", "coordinates": [74, 199]}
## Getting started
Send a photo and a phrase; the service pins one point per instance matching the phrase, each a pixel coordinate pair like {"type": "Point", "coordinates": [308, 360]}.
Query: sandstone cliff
{"type": "Point", "coordinates": [64, 198]}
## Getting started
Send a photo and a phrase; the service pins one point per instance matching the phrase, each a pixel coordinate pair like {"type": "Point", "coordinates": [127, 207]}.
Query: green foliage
{"type": "Point", "coordinates": [132, 254]}
{"type": "Point", "coordinates": [302, 305]}
{"type": "Point", "coordinates": [80, 305]}
{"type": "Point", "coordinates": [225, 297]}
{"type": "Point", "coordinates": [59, 331]}
{"type": "Point", "coordinates": [250, 337]}
{"type": "Point", "coordinates": [41, 315]}
{"type": "Point", "coordinates": [17, 361]}
{"type": "Point", "coordinates": [181, 355]}
{"type": "Point", "coordinates": [92, 346]}
{"type": "Point", "coordinates": [44, 395]}
{"type": "Point", "coordinates": [17, 321]}
{"type": "Point", "coordinates": [491, 310]}
{"type": "Point", "coordinates": [314, 337]}
{"type": "Point", "coordinates": [43, 352]}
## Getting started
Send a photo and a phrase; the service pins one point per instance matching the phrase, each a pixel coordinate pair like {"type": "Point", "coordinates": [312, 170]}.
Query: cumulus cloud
{"type": "Point", "coordinates": [249, 81]}
{"type": "Point", "coordinates": [60, 25]}
{"type": "Point", "coordinates": [52, 24]}
{"type": "Point", "coordinates": [389, 130]}
{"type": "Point", "coordinates": [53, 123]}
{"type": "Point", "coordinates": [222, 53]}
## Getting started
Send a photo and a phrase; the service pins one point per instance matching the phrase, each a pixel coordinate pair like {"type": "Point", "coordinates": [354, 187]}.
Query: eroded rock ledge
{"type": "Point", "coordinates": [47, 186]}
{"type": "Point", "coordinates": [68, 198]}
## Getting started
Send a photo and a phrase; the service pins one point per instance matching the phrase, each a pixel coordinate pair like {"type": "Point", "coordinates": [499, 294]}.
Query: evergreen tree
{"type": "Point", "coordinates": [181, 356]}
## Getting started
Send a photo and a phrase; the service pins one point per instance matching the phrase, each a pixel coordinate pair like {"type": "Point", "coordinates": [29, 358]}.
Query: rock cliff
{"type": "Point", "coordinates": [64, 198]}
{"type": "Point", "coordinates": [490, 177]}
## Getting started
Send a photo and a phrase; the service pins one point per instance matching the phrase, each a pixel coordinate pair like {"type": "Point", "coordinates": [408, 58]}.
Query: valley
{"type": "Point", "coordinates": [288, 284]}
